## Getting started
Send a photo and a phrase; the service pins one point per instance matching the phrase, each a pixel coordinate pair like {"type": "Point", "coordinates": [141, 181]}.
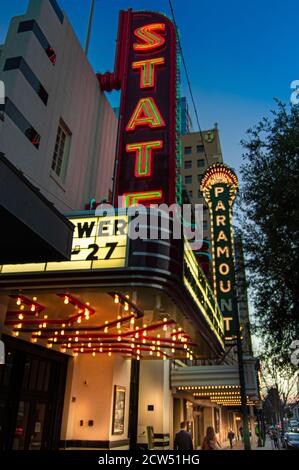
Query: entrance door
{"type": "Point", "coordinates": [32, 385]}
{"type": "Point", "coordinates": [29, 425]}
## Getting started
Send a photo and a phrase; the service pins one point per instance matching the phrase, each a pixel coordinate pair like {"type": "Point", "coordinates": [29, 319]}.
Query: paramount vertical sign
{"type": "Point", "coordinates": [145, 70]}
{"type": "Point", "coordinates": [219, 186]}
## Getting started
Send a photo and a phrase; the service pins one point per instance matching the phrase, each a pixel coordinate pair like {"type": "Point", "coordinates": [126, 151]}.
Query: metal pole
{"type": "Point", "coordinates": [87, 40]}
{"type": "Point", "coordinates": [244, 409]}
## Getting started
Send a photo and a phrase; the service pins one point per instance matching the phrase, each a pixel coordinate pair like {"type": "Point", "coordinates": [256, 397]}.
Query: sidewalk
{"type": "Point", "coordinates": [239, 446]}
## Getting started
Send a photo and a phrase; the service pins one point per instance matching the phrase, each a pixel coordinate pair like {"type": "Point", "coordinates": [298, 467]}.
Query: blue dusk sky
{"type": "Point", "coordinates": [240, 54]}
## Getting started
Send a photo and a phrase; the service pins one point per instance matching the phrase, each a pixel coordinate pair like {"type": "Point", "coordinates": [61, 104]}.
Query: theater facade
{"type": "Point", "coordinates": [90, 341]}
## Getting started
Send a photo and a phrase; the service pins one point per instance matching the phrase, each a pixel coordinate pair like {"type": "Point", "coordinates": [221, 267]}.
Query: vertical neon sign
{"type": "Point", "coordinates": [219, 185]}
{"type": "Point", "coordinates": [145, 70]}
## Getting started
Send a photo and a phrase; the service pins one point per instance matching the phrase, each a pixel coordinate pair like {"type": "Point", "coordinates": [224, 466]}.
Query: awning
{"type": "Point", "coordinates": [219, 383]}
{"type": "Point", "coordinates": [32, 229]}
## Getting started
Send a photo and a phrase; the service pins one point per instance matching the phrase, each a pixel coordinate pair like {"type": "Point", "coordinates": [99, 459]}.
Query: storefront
{"type": "Point", "coordinates": [108, 323]}
{"type": "Point", "coordinates": [214, 391]}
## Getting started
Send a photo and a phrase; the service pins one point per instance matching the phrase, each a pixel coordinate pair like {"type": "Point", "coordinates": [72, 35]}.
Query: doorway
{"type": "Point", "coordinates": [32, 384]}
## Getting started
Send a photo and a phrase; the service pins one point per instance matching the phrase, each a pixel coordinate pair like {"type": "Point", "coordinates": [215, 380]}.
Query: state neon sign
{"type": "Point", "coordinates": [145, 70]}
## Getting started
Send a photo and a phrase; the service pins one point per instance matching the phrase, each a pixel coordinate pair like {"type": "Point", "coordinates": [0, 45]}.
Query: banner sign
{"type": "Point", "coordinates": [146, 151]}
{"type": "Point", "coordinates": [98, 243]}
{"type": "Point", "coordinates": [219, 186]}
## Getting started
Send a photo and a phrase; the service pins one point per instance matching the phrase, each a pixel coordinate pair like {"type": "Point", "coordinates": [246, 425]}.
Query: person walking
{"type": "Point", "coordinates": [275, 439]}
{"type": "Point", "coordinates": [210, 441]}
{"type": "Point", "coordinates": [230, 437]}
{"type": "Point", "coordinates": [183, 439]}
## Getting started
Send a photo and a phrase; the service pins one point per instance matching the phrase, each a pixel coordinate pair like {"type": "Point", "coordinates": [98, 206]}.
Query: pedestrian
{"type": "Point", "coordinates": [230, 437]}
{"type": "Point", "coordinates": [210, 441]}
{"type": "Point", "coordinates": [183, 439]}
{"type": "Point", "coordinates": [275, 439]}
{"type": "Point", "coordinates": [241, 432]}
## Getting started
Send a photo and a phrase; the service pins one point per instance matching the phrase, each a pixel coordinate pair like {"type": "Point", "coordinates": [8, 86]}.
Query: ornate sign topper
{"type": "Point", "coordinates": [145, 70]}
{"type": "Point", "coordinates": [219, 186]}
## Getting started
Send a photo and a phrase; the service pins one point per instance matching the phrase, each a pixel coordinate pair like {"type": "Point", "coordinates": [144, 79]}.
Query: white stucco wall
{"type": "Point", "coordinates": [89, 396]}
{"type": "Point", "coordinates": [74, 96]}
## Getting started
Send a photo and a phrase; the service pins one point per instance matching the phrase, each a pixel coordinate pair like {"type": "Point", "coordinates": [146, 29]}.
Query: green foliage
{"type": "Point", "coordinates": [270, 227]}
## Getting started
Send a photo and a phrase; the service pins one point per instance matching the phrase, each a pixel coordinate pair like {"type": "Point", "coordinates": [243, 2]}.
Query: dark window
{"type": "Point", "coordinates": [187, 150]}
{"type": "Point", "coordinates": [19, 63]}
{"type": "Point", "coordinates": [31, 25]}
{"type": "Point", "coordinates": [190, 193]}
{"type": "Point", "coordinates": [188, 164]}
{"type": "Point", "coordinates": [199, 178]}
{"type": "Point", "coordinates": [188, 179]}
{"type": "Point", "coordinates": [21, 122]}
{"type": "Point", "coordinates": [200, 163]}
{"type": "Point", "coordinates": [199, 194]}
{"type": "Point", "coordinates": [200, 148]}
{"type": "Point", "coordinates": [57, 10]}
{"type": "Point", "coordinates": [205, 225]}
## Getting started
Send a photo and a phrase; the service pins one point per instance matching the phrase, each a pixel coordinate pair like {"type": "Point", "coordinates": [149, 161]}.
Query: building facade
{"type": "Point", "coordinates": [89, 342]}
{"type": "Point", "coordinates": [199, 151]}
{"type": "Point", "coordinates": [100, 349]}
{"type": "Point", "coordinates": [58, 127]}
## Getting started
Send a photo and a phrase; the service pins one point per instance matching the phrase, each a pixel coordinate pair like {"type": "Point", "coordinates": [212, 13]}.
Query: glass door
{"type": "Point", "coordinates": [29, 426]}
{"type": "Point", "coordinates": [37, 426]}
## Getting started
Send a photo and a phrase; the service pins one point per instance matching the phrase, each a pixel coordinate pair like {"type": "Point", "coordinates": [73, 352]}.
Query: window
{"type": "Point", "coordinates": [200, 163]}
{"type": "Point", "coordinates": [199, 178]}
{"type": "Point", "coordinates": [188, 179]}
{"type": "Point", "coordinates": [199, 194]}
{"type": "Point", "coordinates": [31, 25]}
{"type": "Point", "coordinates": [187, 150]}
{"type": "Point", "coordinates": [57, 10]}
{"type": "Point", "coordinates": [61, 150]}
{"type": "Point", "coordinates": [19, 63]}
{"type": "Point", "coordinates": [205, 225]}
{"type": "Point", "coordinates": [21, 122]}
{"type": "Point", "coordinates": [188, 164]}
{"type": "Point", "coordinates": [190, 193]}
{"type": "Point", "coordinates": [200, 148]}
